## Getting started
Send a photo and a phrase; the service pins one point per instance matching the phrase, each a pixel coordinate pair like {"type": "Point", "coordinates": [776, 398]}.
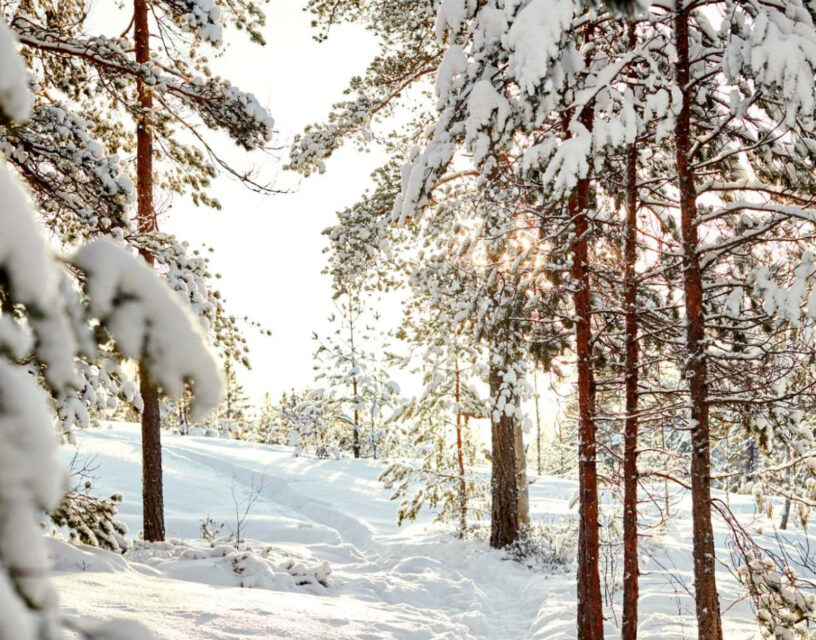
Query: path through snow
{"type": "Point", "coordinates": [410, 583]}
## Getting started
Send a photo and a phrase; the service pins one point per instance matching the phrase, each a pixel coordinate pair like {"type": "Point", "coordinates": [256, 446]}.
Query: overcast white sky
{"type": "Point", "coordinates": [269, 248]}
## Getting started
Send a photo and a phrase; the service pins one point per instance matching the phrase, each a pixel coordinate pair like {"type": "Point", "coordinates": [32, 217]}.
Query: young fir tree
{"type": "Point", "coordinates": [233, 414]}
{"type": "Point", "coordinates": [266, 426]}
{"type": "Point", "coordinates": [434, 466]}
{"type": "Point", "coordinates": [311, 423]}
{"type": "Point", "coordinates": [356, 383]}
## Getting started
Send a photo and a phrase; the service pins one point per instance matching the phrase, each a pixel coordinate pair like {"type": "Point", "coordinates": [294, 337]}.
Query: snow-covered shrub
{"type": "Point", "coordinates": [307, 418]}
{"type": "Point", "coordinates": [210, 531]}
{"type": "Point", "coordinates": [785, 607]}
{"type": "Point", "coordinates": [92, 521]}
{"type": "Point", "coordinates": [267, 570]}
{"type": "Point", "coordinates": [546, 547]}
{"type": "Point", "coordinates": [251, 566]}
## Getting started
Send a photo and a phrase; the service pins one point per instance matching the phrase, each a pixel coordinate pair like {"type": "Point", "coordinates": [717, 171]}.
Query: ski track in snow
{"type": "Point", "coordinates": [410, 583]}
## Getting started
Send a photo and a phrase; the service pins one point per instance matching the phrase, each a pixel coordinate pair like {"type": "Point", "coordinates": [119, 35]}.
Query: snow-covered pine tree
{"type": "Point", "coordinates": [353, 374]}
{"type": "Point", "coordinates": [266, 425]}
{"type": "Point", "coordinates": [47, 324]}
{"type": "Point", "coordinates": [310, 422]}
{"type": "Point", "coordinates": [233, 413]}
{"type": "Point", "coordinates": [106, 76]}
{"type": "Point", "coordinates": [411, 56]}
{"type": "Point", "coordinates": [91, 520]}
{"type": "Point", "coordinates": [236, 401]}
{"type": "Point", "coordinates": [434, 464]}
{"type": "Point", "coordinates": [533, 102]}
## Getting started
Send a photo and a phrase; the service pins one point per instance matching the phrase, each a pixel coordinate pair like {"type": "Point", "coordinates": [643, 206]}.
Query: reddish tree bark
{"type": "Point", "coordinates": [590, 606]}
{"type": "Point", "coordinates": [152, 488]}
{"type": "Point", "coordinates": [709, 624]}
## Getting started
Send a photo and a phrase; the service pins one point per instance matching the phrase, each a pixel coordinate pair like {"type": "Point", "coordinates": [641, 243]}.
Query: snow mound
{"type": "Point", "coordinates": [250, 565]}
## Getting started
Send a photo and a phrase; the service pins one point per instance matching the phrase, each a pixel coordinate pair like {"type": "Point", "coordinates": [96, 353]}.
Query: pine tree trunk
{"type": "Point", "coordinates": [787, 508]}
{"type": "Point", "coordinates": [521, 476]}
{"type": "Point", "coordinates": [356, 442]}
{"type": "Point", "coordinates": [590, 605]}
{"type": "Point", "coordinates": [630, 470]}
{"type": "Point", "coordinates": [751, 461]}
{"type": "Point", "coordinates": [504, 522]}
{"type": "Point", "coordinates": [709, 625]}
{"type": "Point", "coordinates": [539, 470]}
{"type": "Point", "coordinates": [783, 525]}
{"type": "Point", "coordinates": [152, 491]}
{"type": "Point", "coordinates": [355, 445]}
{"type": "Point", "coordinates": [460, 458]}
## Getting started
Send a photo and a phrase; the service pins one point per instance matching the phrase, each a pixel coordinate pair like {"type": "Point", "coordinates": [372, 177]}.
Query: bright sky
{"type": "Point", "coordinates": [268, 249]}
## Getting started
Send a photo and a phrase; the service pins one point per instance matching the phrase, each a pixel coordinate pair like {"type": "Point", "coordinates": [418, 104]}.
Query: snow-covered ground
{"type": "Point", "coordinates": [409, 583]}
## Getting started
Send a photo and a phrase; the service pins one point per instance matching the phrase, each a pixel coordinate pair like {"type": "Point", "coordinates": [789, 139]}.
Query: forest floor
{"type": "Point", "coordinates": [412, 582]}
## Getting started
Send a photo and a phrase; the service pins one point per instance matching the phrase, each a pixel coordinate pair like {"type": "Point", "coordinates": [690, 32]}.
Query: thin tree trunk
{"type": "Point", "coordinates": [504, 521]}
{"type": "Point", "coordinates": [460, 458]}
{"type": "Point", "coordinates": [356, 441]}
{"type": "Point", "coordinates": [785, 515]}
{"type": "Point", "coordinates": [537, 396]}
{"type": "Point", "coordinates": [152, 491]}
{"type": "Point", "coordinates": [630, 470]}
{"type": "Point", "coordinates": [709, 624]}
{"type": "Point", "coordinates": [751, 462]}
{"type": "Point", "coordinates": [521, 476]}
{"type": "Point", "coordinates": [666, 499]}
{"type": "Point", "coordinates": [787, 509]}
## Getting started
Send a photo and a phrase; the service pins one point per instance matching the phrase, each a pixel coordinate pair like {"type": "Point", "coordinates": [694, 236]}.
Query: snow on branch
{"type": "Point", "coordinates": [215, 100]}
{"type": "Point", "coordinates": [15, 98]}
{"type": "Point", "coordinates": [149, 323]}
{"type": "Point", "coordinates": [27, 485]}
{"type": "Point", "coordinates": [203, 17]}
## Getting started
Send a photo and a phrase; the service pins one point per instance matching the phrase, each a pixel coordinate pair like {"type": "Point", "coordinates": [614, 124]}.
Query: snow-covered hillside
{"type": "Point", "coordinates": [410, 583]}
